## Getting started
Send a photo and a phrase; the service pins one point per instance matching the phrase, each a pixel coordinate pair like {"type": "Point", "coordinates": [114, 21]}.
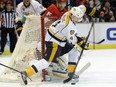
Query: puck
{"type": "Point", "coordinates": [73, 83]}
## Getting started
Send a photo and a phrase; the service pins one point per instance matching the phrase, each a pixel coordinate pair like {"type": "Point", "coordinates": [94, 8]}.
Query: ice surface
{"type": "Point", "coordinates": [101, 73]}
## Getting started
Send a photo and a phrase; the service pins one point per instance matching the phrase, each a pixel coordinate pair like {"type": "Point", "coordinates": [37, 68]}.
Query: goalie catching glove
{"type": "Point", "coordinates": [81, 43]}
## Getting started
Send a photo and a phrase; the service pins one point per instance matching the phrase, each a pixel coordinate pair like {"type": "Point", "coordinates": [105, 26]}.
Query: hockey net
{"type": "Point", "coordinates": [25, 53]}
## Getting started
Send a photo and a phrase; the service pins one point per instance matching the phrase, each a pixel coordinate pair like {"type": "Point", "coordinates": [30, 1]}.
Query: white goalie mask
{"type": "Point", "coordinates": [78, 11]}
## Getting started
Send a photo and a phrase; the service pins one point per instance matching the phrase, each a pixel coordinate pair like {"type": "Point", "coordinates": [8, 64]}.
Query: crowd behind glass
{"type": "Point", "coordinates": [107, 8]}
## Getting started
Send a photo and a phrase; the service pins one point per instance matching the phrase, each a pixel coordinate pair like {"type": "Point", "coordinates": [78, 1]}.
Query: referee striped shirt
{"type": "Point", "coordinates": [8, 19]}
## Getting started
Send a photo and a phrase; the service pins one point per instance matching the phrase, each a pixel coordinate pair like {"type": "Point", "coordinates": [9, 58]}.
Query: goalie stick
{"type": "Point", "coordinates": [85, 67]}
{"type": "Point", "coordinates": [13, 69]}
{"type": "Point", "coordinates": [70, 78]}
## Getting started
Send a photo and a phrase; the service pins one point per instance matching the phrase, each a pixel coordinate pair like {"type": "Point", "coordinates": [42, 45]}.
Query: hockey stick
{"type": "Point", "coordinates": [70, 78]}
{"type": "Point", "coordinates": [10, 68]}
{"type": "Point", "coordinates": [13, 69]}
{"type": "Point", "coordinates": [97, 42]}
{"type": "Point", "coordinates": [86, 66]}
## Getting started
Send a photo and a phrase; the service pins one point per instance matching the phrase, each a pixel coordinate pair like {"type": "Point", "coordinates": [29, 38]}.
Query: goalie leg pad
{"type": "Point", "coordinates": [58, 72]}
{"type": "Point", "coordinates": [63, 62]}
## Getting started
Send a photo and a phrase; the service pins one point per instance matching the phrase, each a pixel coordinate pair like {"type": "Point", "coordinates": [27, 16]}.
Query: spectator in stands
{"type": "Point", "coordinates": [82, 2]}
{"type": "Point", "coordinates": [97, 3]}
{"type": "Point", "coordinates": [56, 10]}
{"type": "Point", "coordinates": [106, 8]}
{"type": "Point", "coordinates": [1, 6]}
{"type": "Point", "coordinates": [47, 3]}
{"type": "Point", "coordinates": [8, 27]}
{"type": "Point", "coordinates": [25, 8]}
{"type": "Point", "coordinates": [18, 1]}
{"type": "Point", "coordinates": [110, 17]}
{"type": "Point", "coordinates": [102, 17]}
{"type": "Point", "coordinates": [104, 1]}
{"type": "Point", "coordinates": [92, 10]}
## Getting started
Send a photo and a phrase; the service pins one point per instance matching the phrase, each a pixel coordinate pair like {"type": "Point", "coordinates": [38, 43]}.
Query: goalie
{"type": "Point", "coordinates": [25, 8]}
{"type": "Point", "coordinates": [59, 33]}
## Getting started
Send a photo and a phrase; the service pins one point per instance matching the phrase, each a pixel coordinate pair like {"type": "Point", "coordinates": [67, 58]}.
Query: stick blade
{"type": "Point", "coordinates": [67, 80]}
{"type": "Point", "coordinates": [86, 66]}
{"type": "Point", "coordinates": [101, 41]}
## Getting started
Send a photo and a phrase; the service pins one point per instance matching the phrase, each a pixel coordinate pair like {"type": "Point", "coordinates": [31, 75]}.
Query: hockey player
{"type": "Point", "coordinates": [27, 7]}
{"type": "Point", "coordinates": [56, 10]}
{"type": "Point", "coordinates": [59, 33]}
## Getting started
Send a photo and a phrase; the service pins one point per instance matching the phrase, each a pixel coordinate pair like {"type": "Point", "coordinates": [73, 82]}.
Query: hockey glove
{"type": "Point", "coordinates": [81, 43]}
{"type": "Point", "coordinates": [19, 27]}
{"type": "Point", "coordinates": [23, 20]}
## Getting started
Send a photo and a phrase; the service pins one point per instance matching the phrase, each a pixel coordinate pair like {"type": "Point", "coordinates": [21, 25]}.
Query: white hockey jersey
{"type": "Point", "coordinates": [34, 8]}
{"type": "Point", "coordinates": [62, 30]}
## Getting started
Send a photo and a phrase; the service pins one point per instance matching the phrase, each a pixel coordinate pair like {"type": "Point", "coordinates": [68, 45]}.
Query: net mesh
{"type": "Point", "coordinates": [24, 54]}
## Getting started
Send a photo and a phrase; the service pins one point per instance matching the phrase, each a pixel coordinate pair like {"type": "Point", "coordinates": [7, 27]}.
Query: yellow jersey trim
{"type": "Point", "coordinates": [67, 18]}
{"type": "Point", "coordinates": [60, 76]}
{"type": "Point", "coordinates": [57, 36]}
{"type": "Point", "coordinates": [54, 50]}
{"type": "Point", "coordinates": [19, 29]}
{"type": "Point", "coordinates": [93, 11]}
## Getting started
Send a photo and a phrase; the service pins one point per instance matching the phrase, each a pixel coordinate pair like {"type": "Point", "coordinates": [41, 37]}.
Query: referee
{"type": "Point", "coordinates": [8, 27]}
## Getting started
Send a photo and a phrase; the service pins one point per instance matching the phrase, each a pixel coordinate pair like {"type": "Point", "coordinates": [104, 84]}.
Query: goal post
{"type": "Point", "coordinates": [46, 21]}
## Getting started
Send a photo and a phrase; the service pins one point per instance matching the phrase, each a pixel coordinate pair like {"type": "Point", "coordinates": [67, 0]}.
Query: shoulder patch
{"type": "Point", "coordinates": [72, 32]}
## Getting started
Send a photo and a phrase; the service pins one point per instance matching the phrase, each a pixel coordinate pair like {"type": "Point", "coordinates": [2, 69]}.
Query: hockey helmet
{"type": "Point", "coordinates": [78, 11]}
{"type": "Point", "coordinates": [82, 7]}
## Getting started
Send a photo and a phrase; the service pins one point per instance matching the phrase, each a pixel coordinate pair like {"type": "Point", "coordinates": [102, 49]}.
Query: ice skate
{"type": "Point", "coordinates": [75, 78]}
